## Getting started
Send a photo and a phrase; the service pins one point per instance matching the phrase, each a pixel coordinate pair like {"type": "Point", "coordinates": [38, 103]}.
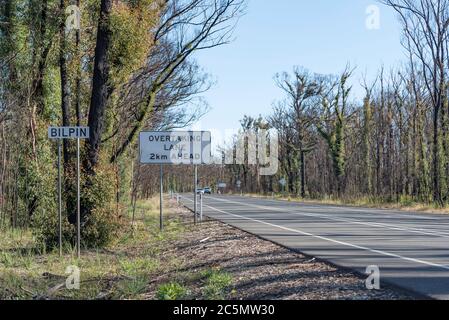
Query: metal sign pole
{"type": "Point", "coordinates": [201, 207]}
{"type": "Point", "coordinates": [59, 197]}
{"type": "Point", "coordinates": [194, 193]}
{"type": "Point", "coordinates": [78, 209]}
{"type": "Point", "coordinates": [160, 199]}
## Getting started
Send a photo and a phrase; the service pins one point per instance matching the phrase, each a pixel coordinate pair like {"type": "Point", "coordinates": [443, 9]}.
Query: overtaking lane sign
{"type": "Point", "coordinates": [175, 147]}
{"type": "Point", "coordinates": [68, 132]}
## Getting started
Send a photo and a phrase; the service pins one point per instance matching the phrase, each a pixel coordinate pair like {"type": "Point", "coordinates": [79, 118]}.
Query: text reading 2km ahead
{"type": "Point", "coordinates": [175, 147]}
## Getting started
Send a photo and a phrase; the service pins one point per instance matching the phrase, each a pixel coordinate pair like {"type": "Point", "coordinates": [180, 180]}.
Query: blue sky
{"type": "Point", "coordinates": [320, 35]}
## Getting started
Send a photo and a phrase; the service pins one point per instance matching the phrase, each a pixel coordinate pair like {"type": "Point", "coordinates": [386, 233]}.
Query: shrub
{"type": "Point", "coordinates": [132, 288]}
{"type": "Point", "coordinates": [99, 229]}
{"type": "Point", "coordinates": [102, 225]}
{"type": "Point", "coordinates": [45, 227]}
{"type": "Point", "coordinates": [171, 291]}
{"type": "Point", "coordinates": [217, 284]}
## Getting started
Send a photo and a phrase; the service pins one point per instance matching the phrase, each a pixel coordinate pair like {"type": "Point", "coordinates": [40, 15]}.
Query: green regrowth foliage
{"type": "Point", "coordinates": [130, 24]}
{"type": "Point", "coordinates": [335, 134]}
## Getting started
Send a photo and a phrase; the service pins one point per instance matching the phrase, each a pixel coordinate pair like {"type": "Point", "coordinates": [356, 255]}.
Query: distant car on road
{"type": "Point", "coordinates": [207, 190]}
{"type": "Point", "coordinates": [199, 191]}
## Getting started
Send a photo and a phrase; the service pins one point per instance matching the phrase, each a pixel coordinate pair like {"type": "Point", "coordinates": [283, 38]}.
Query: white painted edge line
{"type": "Point", "coordinates": [333, 218]}
{"type": "Point", "coordinates": [385, 253]}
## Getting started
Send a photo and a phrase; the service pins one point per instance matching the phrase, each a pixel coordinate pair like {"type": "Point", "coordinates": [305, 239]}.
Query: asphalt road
{"type": "Point", "coordinates": [410, 249]}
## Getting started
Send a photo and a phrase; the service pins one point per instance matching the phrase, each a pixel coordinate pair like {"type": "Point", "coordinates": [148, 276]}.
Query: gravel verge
{"type": "Point", "coordinates": [260, 269]}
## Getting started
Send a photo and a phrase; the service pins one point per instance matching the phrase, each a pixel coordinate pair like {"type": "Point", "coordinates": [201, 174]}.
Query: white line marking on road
{"type": "Point", "coordinates": [333, 218]}
{"type": "Point", "coordinates": [385, 253]}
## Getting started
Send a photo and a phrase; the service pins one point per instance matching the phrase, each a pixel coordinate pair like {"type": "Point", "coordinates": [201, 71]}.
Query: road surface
{"type": "Point", "coordinates": [410, 249]}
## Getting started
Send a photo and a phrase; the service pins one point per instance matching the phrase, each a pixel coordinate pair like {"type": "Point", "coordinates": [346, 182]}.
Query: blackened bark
{"type": "Point", "coordinates": [436, 155]}
{"type": "Point", "coordinates": [100, 90]}
{"type": "Point", "coordinates": [65, 83]}
{"type": "Point", "coordinates": [41, 52]}
{"type": "Point", "coordinates": [78, 76]}
{"type": "Point", "coordinates": [99, 100]}
{"type": "Point", "coordinates": [303, 175]}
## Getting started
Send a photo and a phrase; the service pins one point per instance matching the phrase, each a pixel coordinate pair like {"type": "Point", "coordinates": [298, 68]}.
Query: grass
{"type": "Point", "coordinates": [171, 291]}
{"type": "Point", "coordinates": [134, 267]}
{"type": "Point", "coordinates": [121, 271]}
{"type": "Point", "coordinates": [132, 288]}
{"type": "Point", "coordinates": [214, 284]}
{"type": "Point", "coordinates": [217, 284]}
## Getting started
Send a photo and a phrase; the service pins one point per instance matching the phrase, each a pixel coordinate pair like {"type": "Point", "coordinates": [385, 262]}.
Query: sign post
{"type": "Point", "coordinates": [59, 133]}
{"type": "Point", "coordinates": [78, 206]}
{"type": "Point", "coordinates": [195, 194]}
{"type": "Point", "coordinates": [161, 221]}
{"type": "Point", "coordinates": [201, 207]}
{"type": "Point", "coordinates": [60, 197]}
{"type": "Point", "coordinates": [175, 148]}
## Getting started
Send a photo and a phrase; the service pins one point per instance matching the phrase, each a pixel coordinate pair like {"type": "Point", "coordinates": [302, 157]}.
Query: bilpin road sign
{"type": "Point", "coordinates": [68, 132]}
{"type": "Point", "coordinates": [175, 147]}
{"type": "Point", "coordinates": [59, 133]}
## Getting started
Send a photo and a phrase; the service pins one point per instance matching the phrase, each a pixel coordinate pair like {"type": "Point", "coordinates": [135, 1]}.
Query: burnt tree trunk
{"type": "Point", "coordinates": [100, 88]}
{"type": "Point", "coordinates": [99, 99]}
{"type": "Point", "coordinates": [303, 175]}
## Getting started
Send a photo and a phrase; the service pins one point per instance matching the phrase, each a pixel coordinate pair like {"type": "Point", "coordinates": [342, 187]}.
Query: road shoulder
{"type": "Point", "coordinates": [256, 269]}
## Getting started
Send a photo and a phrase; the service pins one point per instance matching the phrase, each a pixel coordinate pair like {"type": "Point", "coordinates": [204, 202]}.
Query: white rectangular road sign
{"type": "Point", "coordinates": [175, 147]}
{"type": "Point", "coordinates": [68, 132]}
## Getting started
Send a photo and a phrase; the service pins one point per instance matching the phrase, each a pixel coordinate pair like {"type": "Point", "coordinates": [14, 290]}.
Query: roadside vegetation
{"type": "Point", "coordinates": [122, 270]}
{"type": "Point", "coordinates": [125, 269]}
{"type": "Point", "coordinates": [402, 204]}
{"type": "Point", "coordinates": [214, 285]}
